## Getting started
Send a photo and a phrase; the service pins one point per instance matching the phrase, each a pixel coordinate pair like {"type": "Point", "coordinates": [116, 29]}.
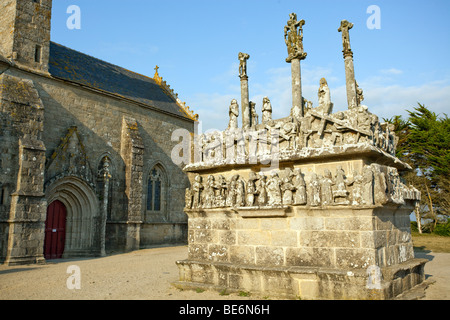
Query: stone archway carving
{"type": "Point", "coordinates": [83, 215]}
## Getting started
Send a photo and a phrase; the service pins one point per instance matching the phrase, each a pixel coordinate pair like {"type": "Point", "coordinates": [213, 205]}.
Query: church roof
{"type": "Point", "coordinates": [71, 65]}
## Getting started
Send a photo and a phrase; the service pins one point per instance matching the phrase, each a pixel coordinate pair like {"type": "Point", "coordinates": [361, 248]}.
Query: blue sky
{"type": "Point", "coordinates": [196, 44]}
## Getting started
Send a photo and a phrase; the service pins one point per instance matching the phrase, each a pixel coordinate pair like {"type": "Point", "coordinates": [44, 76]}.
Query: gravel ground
{"type": "Point", "coordinates": [146, 275]}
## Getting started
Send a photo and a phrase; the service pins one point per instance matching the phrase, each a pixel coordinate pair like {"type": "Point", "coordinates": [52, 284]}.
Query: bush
{"type": "Point", "coordinates": [442, 229]}
{"type": "Point", "coordinates": [414, 226]}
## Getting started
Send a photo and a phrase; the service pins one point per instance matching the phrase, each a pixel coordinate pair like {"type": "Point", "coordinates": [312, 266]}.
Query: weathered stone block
{"type": "Point", "coordinates": [226, 237]}
{"type": "Point", "coordinates": [218, 252]}
{"type": "Point", "coordinates": [349, 239]}
{"type": "Point", "coordinates": [198, 252]}
{"type": "Point", "coordinates": [253, 237]}
{"type": "Point", "coordinates": [359, 223]}
{"type": "Point", "coordinates": [271, 256]}
{"type": "Point", "coordinates": [310, 257]}
{"type": "Point", "coordinates": [284, 238]}
{"type": "Point", "coordinates": [307, 223]}
{"type": "Point", "coordinates": [355, 258]}
{"type": "Point", "coordinates": [242, 254]}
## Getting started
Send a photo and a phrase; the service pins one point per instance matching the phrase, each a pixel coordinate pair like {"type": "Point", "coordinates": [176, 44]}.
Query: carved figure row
{"type": "Point", "coordinates": [314, 130]}
{"type": "Point", "coordinates": [374, 185]}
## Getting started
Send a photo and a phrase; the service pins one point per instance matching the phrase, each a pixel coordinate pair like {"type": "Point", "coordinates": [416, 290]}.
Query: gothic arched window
{"type": "Point", "coordinates": [155, 190]}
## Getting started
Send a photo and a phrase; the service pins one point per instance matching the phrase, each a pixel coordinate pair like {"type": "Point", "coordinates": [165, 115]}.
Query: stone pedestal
{"type": "Point", "coordinates": [336, 246]}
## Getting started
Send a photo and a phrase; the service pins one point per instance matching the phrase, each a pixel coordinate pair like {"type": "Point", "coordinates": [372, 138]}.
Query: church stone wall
{"type": "Point", "coordinates": [98, 121]}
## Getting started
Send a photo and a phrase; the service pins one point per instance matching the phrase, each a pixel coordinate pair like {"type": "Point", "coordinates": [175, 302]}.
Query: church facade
{"type": "Point", "coordinates": [85, 149]}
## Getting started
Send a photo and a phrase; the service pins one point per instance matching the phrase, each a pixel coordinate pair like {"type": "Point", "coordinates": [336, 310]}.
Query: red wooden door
{"type": "Point", "coordinates": [55, 230]}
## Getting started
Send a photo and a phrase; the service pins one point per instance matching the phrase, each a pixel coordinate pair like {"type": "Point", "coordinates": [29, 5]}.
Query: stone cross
{"type": "Point", "coordinates": [352, 99]}
{"type": "Point", "coordinates": [293, 36]}
{"type": "Point", "coordinates": [344, 28]}
{"type": "Point", "coordinates": [245, 102]}
{"type": "Point", "coordinates": [243, 57]}
{"type": "Point", "coordinates": [156, 76]}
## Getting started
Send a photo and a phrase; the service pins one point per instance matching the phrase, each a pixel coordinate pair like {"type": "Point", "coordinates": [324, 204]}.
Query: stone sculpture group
{"type": "Point", "coordinates": [375, 185]}
{"type": "Point", "coordinates": [294, 134]}
{"type": "Point", "coordinates": [307, 205]}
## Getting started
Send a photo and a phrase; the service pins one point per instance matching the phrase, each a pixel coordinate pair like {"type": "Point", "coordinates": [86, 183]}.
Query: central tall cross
{"type": "Point", "coordinates": [293, 36]}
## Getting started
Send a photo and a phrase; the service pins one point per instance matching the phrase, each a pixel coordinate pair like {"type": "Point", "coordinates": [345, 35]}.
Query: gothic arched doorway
{"type": "Point", "coordinates": [55, 230]}
{"type": "Point", "coordinates": [82, 233]}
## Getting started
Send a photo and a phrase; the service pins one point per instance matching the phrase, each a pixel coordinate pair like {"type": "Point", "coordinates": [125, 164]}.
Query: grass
{"type": "Point", "coordinates": [430, 242]}
{"type": "Point", "coordinates": [224, 292]}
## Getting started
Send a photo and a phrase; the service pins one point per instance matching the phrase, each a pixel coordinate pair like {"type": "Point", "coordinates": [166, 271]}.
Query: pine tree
{"type": "Point", "coordinates": [424, 143]}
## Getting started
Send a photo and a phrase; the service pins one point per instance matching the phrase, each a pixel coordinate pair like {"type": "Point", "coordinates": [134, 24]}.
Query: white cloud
{"type": "Point", "coordinates": [391, 71]}
{"type": "Point", "coordinates": [396, 99]}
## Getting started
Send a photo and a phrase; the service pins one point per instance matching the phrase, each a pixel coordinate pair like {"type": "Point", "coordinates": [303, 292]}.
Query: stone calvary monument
{"type": "Point", "coordinates": [309, 206]}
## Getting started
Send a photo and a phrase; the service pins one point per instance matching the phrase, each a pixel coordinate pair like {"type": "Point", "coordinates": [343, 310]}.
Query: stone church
{"type": "Point", "coordinates": [85, 148]}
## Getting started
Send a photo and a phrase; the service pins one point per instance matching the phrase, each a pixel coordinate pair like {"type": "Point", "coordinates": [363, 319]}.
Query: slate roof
{"type": "Point", "coordinates": [78, 67]}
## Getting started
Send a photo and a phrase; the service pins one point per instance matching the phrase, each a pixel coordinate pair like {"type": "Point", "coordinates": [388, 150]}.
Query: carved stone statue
{"type": "Point", "coordinates": [251, 190]}
{"type": "Point", "coordinates": [325, 105]}
{"type": "Point", "coordinates": [340, 194]}
{"type": "Point", "coordinates": [359, 94]}
{"type": "Point", "coordinates": [357, 184]}
{"type": "Point", "coordinates": [261, 189]}
{"type": "Point", "coordinates": [396, 186]}
{"type": "Point", "coordinates": [243, 57]}
{"type": "Point", "coordinates": [232, 191]}
{"type": "Point", "coordinates": [367, 194]}
{"type": "Point", "coordinates": [220, 188]}
{"type": "Point", "coordinates": [293, 36]}
{"type": "Point", "coordinates": [234, 114]}
{"type": "Point", "coordinates": [240, 193]}
{"type": "Point", "coordinates": [379, 186]}
{"type": "Point", "coordinates": [274, 190]}
{"type": "Point", "coordinates": [344, 28]}
{"type": "Point", "coordinates": [314, 185]}
{"type": "Point", "coordinates": [266, 110]}
{"type": "Point", "coordinates": [300, 188]}
{"type": "Point", "coordinates": [208, 193]}
{"type": "Point", "coordinates": [326, 188]}
{"type": "Point", "coordinates": [202, 146]}
{"type": "Point", "coordinates": [287, 187]}
{"type": "Point", "coordinates": [363, 118]}
{"type": "Point", "coordinates": [197, 188]}
{"type": "Point", "coordinates": [254, 119]}
{"type": "Point", "coordinates": [296, 113]}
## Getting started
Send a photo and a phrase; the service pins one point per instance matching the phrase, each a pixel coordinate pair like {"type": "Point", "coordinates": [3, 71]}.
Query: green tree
{"type": "Point", "coordinates": [424, 143]}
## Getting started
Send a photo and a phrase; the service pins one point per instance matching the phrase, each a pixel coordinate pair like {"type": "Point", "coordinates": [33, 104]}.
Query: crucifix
{"type": "Point", "coordinates": [349, 67]}
{"type": "Point", "coordinates": [293, 36]}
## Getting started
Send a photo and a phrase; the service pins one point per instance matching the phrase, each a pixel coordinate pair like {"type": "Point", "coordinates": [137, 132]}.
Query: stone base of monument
{"type": "Point", "coordinates": [339, 252]}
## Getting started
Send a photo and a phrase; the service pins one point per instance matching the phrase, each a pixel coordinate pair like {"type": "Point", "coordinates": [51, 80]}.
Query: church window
{"type": "Point", "coordinates": [155, 190]}
{"type": "Point", "coordinates": [37, 54]}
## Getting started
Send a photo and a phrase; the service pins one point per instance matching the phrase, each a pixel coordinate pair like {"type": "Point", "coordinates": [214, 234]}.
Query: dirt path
{"type": "Point", "coordinates": [438, 270]}
{"type": "Point", "coordinates": [144, 275]}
